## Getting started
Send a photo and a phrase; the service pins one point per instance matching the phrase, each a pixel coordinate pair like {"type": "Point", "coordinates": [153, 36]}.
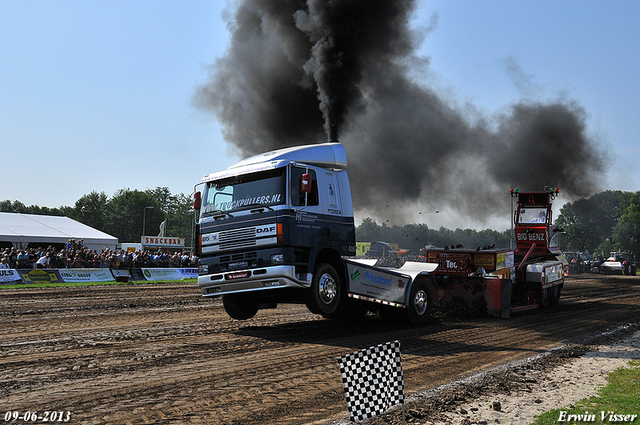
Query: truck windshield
{"type": "Point", "coordinates": [533, 215]}
{"type": "Point", "coordinates": [262, 189]}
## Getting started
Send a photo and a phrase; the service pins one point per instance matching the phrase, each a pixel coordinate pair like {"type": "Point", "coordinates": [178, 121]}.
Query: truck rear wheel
{"type": "Point", "coordinates": [545, 297]}
{"type": "Point", "coordinates": [555, 295]}
{"type": "Point", "coordinates": [420, 303]}
{"type": "Point", "coordinates": [239, 307]}
{"type": "Point", "coordinates": [325, 294]}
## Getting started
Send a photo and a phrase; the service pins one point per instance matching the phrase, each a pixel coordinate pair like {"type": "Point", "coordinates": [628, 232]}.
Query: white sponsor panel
{"type": "Point", "coordinates": [162, 274]}
{"type": "Point", "coordinates": [85, 275]}
{"type": "Point", "coordinates": [188, 272]}
{"type": "Point", "coordinates": [9, 276]}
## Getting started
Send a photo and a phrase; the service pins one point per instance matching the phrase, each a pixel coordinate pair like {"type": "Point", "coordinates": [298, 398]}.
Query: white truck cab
{"type": "Point", "coordinates": [269, 224]}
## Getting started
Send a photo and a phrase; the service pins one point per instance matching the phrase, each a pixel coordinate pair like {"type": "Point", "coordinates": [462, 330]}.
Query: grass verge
{"type": "Point", "coordinates": [81, 284]}
{"type": "Point", "coordinates": [617, 402]}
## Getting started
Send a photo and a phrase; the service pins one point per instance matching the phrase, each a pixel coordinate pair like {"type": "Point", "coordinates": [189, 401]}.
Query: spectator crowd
{"type": "Point", "coordinates": [76, 255]}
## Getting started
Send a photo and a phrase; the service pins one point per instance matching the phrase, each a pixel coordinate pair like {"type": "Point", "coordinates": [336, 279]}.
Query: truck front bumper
{"type": "Point", "coordinates": [252, 280]}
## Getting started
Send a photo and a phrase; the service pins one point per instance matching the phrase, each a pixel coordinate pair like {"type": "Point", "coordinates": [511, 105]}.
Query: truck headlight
{"type": "Point", "coordinates": [203, 269]}
{"type": "Point", "coordinates": [277, 259]}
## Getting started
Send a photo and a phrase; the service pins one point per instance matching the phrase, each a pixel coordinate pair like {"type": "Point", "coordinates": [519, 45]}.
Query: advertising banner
{"type": "Point", "coordinates": [162, 274]}
{"type": "Point", "coordinates": [189, 273]}
{"type": "Point", "coordinates": [137, 275]}
{"type": "Point", "coordinates": [376, 283]}
{"type": "Point", "coordinates": [40, 276]}
{"type": "Point", "coordinates": [9, 276]}
{"type": "Point", "coordinates": [485, 260]}
{"type": "Point", "coordinates": [450, 263]}
{"type": "Point", "coordinates": [86, 275]}
{"type": "Point", "coordinates": [505, 260]}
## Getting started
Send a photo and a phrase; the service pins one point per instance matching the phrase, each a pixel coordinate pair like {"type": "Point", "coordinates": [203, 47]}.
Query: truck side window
{"type": "Point", "coordinates": [332, 189]}
{"type": "Point", "coordinates": [297, 198]}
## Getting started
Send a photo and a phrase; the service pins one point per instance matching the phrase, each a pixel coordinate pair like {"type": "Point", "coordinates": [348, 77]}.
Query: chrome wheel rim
{"type": "Point", "coordinates": [327, 288]}
{"type": "Point", "coordinates": [420, 302]}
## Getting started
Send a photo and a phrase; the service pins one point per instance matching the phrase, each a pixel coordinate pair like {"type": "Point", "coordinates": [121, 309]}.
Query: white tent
{"type": "Point", "coordinates": [22, 229]}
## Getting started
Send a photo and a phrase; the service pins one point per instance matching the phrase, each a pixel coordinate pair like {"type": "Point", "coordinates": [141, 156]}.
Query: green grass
{"type": "Point", "coordinates": [80, 284]}
{"type": "Point", "coordinates": [621, 397]}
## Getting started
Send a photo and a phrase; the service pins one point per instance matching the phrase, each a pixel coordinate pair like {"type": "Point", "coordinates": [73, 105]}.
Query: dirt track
{"type": "Point", "coordinates": [163, 354]}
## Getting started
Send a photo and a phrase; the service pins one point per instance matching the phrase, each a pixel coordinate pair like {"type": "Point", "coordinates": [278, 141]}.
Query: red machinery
{"type": "Point", "coordinates": [505, 280]}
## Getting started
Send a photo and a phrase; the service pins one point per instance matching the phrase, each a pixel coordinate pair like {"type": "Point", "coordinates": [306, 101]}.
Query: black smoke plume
{"type": "Point", "coordinates": [300, 72]}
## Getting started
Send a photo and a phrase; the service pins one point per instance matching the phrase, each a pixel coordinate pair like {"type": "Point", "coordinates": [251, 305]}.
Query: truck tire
{"type": "Point", "coordinates": [545, 297]}
{"type": "Point", "coordinates": [325, 294]}
{"type": "Point", "coordinates": [420, 303]}
{"type": "Point", "coordinates": [239, 307]}
{"type": "Point", "coordinates": [555, 295]}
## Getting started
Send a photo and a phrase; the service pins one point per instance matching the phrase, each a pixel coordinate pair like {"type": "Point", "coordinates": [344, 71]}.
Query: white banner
{"type": "Point", "coordinates": [9, 276]}
{"type": "Point", "coordinates": [191, 272]}
{"type": "Point", "coordinates": [85, 275]}
{"type": "Point", "coordinates": [162, 274]}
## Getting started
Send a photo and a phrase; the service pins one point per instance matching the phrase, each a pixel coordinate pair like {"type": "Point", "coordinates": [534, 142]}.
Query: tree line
{"type": "Point", "coordinates": [414, 237]}
{"type": "Point", "coordinates": [604, 222]}
{"type": "Point", "coordinates": [607, 221]}
{"type": "Point", "coordinates": [124, 214]}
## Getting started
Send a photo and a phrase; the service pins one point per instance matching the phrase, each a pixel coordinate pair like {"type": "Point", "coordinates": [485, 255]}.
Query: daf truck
{"type": "Point", "coordinates": [279, 228]}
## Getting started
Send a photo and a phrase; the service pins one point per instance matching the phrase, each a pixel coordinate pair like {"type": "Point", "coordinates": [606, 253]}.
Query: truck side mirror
{"type": "Point", "coordinates": [305, 183]}
{"type": "Point", "coordinates": [197, 201]}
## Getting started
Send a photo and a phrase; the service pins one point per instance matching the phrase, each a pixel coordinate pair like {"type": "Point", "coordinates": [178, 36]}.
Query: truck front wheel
{"type": "Point", "coordinates": [239, 307]}
{"type": "Point", "coordinates": [325, 293]}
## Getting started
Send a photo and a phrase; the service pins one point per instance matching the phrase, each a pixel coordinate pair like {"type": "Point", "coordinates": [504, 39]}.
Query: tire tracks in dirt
{"type": "Point", "coordinates": [163, 354]}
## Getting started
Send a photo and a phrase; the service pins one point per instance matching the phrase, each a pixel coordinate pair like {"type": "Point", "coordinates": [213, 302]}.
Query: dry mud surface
{"type": "Point", "coordinates": [163, 354]}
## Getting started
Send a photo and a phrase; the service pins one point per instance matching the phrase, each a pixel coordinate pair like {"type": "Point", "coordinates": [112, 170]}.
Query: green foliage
{"type": "Point", "coordinates": [125, 213]}
{"type": "Point", "coordinates": [626, 234]}
{"type": "Point", "coordinates": [416, 236]}
{"type": "Point", "coordinates": [606, 221]}
{"type": "Point", "coordinates": [19, 207]}
{"type": "Point", "coordinates": [91, 209]}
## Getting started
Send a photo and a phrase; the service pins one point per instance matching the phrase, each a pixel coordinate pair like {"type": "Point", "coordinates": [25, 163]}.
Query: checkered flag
{"type": "Point", "coordinates": [372, 380]}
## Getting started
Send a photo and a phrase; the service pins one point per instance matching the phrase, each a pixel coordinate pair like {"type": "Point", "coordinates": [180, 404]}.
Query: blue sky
{"type": "Point", "coordinates": [98, 95]}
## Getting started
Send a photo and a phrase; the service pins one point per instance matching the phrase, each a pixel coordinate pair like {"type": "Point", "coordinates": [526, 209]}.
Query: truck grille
{"type": "Point", "coordinates": [238, 257]}
{"type": "Point", "coordinates": [238, 238]}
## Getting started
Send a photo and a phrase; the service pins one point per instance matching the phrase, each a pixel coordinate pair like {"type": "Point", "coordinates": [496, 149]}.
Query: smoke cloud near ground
{"type": "Point", "coordinates": [300, 72]}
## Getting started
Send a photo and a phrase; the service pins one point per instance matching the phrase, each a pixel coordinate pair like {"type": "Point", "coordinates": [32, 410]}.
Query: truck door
{"type": "Point", "coordinates": [309, 227]}
{"type": "Point", "coordinates": [333, 196]}
{"type": "Point", "coordinates": [298, 198]}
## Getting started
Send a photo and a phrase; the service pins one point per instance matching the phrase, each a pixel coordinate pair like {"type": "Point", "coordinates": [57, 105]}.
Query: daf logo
{"type": "Point", "coordinates": [269, 229]}
{"type": "Point", "coordinates": [213, 237]}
